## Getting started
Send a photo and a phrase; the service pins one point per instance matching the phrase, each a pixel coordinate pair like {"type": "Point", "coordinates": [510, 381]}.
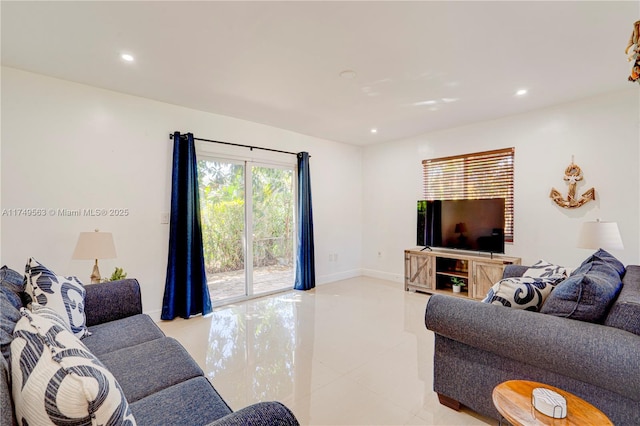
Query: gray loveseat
{"type": "Point", "coordinates": [479, 345]}
{"type": "Point", "coordinates": [161, 381]}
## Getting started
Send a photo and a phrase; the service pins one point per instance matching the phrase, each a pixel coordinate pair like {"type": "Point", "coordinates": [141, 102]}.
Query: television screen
{"type": "Point", "coordinates": [476, 225]}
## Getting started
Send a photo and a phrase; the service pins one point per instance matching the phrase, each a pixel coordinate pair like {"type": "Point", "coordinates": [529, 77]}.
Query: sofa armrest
{"type": "Point", "coordinates": [112, 300]}
{"type": "Point", "coordinates": [260, 414]}
{"type": "Point", "coordinates": [592, 353]}
{"type": "Point", "coordinates": [625, 311]}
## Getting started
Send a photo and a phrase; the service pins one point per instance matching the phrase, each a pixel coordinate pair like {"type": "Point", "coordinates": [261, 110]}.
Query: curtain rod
{"type": "Point", "coordinates": [241, 145]}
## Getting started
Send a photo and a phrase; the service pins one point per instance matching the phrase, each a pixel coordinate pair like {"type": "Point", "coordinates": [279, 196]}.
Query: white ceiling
{"type": "Point", "coordinates": [421, 66]}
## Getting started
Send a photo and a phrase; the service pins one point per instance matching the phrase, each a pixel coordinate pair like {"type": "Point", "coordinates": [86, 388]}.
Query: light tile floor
{"type": "Point", "coordinates": [353, 352]}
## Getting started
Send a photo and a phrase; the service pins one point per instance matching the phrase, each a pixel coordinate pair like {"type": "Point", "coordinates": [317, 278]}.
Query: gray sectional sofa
{"type": "Point", "coordinates": [479, 345]}
{"type": "Point", "coordinates": [162, 383]}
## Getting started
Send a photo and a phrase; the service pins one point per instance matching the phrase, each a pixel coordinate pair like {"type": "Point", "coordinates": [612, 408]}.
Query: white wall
{"type": "Point", "coordinates": [71, 146]}
{"type": "Point", "coordinates": [603, 135]}
{"type": "Point", "coordinates": [66, 145]}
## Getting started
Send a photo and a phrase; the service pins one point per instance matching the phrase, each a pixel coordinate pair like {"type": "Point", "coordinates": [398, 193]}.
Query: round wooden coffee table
{"type": "Point", "coordinates": [512, 399]}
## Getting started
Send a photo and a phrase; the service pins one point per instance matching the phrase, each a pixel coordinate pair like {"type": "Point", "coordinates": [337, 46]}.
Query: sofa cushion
{"type": "Point", "coordinates": [63, 294]}
{"type": "Point", "coordinates": [526, 293]}
{"type": "Point", "coordinates": [123, 333]}
{"type": "Point", "coordinates": [589, 291]}
{"type": "Point", "coordinates": [269, 412]}
{"type": "Point", "coordinates": [625, 311]}
{"type": "Point", "coordinates": [169, 407]}
{"type": "Point", "coordinates": [56, 380]}
{"type": "Point", "coordinates": [165, 361]}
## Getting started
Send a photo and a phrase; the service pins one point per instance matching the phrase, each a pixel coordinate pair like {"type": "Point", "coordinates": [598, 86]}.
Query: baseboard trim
{"type": "Point", "coordinates": [383, 275]}
{"type": "Point", "coordinates": [155, 315]}
{"type": "Point", "coordinates": [339, 276]}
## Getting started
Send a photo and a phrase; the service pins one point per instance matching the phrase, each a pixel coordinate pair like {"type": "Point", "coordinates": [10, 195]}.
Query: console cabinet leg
{"type": "Point", "coordinates": [449, 402]}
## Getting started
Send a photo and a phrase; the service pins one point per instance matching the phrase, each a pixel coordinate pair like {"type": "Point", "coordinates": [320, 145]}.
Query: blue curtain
{"type": "Point", "coordinates": [305, 262]}
{"type": "Point", "coordinates": [185, 291]}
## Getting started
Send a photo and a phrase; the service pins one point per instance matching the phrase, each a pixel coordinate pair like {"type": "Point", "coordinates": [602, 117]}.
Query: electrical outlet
{"type": "Point", "coordinates": [164, 218]}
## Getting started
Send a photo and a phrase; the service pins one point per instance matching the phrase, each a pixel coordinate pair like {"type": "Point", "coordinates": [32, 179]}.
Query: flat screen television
{"type": "Point", "coordinates": [476, 225]}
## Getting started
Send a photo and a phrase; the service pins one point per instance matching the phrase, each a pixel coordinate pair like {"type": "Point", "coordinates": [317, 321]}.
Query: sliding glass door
{"type": "Point", "coordinates": [247, 212]}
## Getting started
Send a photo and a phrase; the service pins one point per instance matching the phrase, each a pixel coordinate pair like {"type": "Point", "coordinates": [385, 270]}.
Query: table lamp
{"type": "Point", "coordinates": [594, 235]}
{"type": "Point", "coordinates": [461, 228]}
{"type": "Point", "coordinates": [95, 245]}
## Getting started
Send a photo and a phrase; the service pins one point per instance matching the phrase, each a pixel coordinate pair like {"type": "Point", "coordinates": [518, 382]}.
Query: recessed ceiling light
{"type": "Point", "coordinates": [521, 92]}
{"type": "Point", "coordinates": [127, 57]}
{"type": "Point", "coordinates": [430, 102]}
{"type": "Point", "coordinates": [374, 130]}
{"type": "Point", "coordinates": [348, 74]}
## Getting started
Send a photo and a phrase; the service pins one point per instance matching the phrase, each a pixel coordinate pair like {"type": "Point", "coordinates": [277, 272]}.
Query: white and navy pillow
{"type": "Point", "coordinates": [65, 295]}
{"type": "Point", "coordinates": [526, 293]}
{"type": "Point", "coordinates": [57, 380]}
{"type": "Point", "coordinates": [544, 269]}
{"type": "Point", "coordinates": [50, 314]}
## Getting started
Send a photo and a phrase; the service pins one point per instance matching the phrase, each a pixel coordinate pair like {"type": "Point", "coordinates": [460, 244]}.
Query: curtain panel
{"type": "Point", "coordinates": [186, 292]}
{"type": "Point", "coordinates": [305, 261]}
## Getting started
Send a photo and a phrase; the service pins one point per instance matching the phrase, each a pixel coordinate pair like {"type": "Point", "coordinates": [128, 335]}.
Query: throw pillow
{"type": "Point", "coordinates": [12, 280]}
{"type": "Point", "coordinates": [528, 293]}
{"type": "Point", "coordinates": [542, 269]}
{"type": "Point", "coordinates": [11, 290]}
{"type": "Point", "coordinates": [63, 294]}
{"type": "Point", "coordinates": [50, 314]}
{"type": "Point", "coordinates": [589, 291]}
{"type": "Point", "coordinates": [602, 256]}
{"type": "Point", "coordinates": [56, 380]}
{"type": "Point", "coordinates": [9, 316]}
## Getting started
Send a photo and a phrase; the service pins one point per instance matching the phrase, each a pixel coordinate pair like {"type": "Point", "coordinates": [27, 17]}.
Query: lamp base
{"type": "Point", "coordinates": [95, 274]}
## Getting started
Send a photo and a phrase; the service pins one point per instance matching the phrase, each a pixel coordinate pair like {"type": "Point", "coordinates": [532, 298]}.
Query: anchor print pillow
{"type": "Point", "coordinates": [528, 293]}
{"type": "Point", "coordinates": [57, 380]}
{"type": "Point", "coordinates": [65, 295]}
{"type": "Point", "coordinates": [544, 269]}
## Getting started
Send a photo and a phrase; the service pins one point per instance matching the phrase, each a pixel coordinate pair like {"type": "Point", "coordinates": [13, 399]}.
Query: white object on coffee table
{"type": "Point", "coordinates": [549, 403]}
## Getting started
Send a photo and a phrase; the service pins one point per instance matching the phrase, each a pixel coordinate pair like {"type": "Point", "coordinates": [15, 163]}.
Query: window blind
{"type": "Point", "coordinates": [479, 175]}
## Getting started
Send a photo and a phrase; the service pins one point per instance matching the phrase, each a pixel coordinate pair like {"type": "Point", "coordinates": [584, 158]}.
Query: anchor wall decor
{"type": "Point", "coordinates": [572, 175]}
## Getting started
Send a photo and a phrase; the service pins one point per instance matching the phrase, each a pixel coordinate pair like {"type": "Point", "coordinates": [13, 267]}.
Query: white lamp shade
{"type": "Point", "coordinates": [594, 235]}
{"type": "Point", "coordinates": [95, 245]}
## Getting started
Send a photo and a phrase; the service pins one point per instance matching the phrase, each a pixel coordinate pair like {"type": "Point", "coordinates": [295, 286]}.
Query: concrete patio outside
{"type": "Point", "coordinates": [226, 285]}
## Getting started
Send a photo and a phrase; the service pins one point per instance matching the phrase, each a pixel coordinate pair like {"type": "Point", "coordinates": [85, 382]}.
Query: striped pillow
{"type": "Point", "coordinates": [65, 295]}
{"type": "Point", "coordinates": [56, 380]}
